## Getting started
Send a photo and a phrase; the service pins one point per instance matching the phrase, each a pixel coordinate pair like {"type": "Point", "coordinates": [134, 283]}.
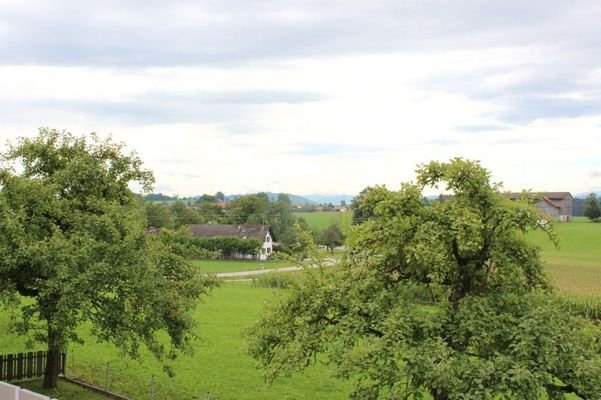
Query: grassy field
{"type": "Point", "coordinates": [576, 266]}
{"type": "Point", "coordinates": [320, 220]}
{"type": "Point", "coordinates": [216, 266]}
{"type": "Point", "coordinates": [66, 390]}
{"type": "Point", "coordinates": [219, 366]}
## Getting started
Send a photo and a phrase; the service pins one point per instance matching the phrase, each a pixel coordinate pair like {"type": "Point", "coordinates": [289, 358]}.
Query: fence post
{"type": "Point", "coordinates": [39, 366]}
{"type": "Point", "coordinates": [20, 365]}
{"type": "Point", "coordinates": [106, 381]}
{"type": "Point", "coordinates": [152, 388]}
{"type": "Point", "coordinates": [29, 365]}
{"type": "Point", "coordinates": [9, 369]}
{"type": "Point", "coordinates": [64, 363]}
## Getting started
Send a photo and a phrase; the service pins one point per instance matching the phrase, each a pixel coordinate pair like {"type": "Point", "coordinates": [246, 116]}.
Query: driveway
{"type": "Point", "coordinates": [328, 262]}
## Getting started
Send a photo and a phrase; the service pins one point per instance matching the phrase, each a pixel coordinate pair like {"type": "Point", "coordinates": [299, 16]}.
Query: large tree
{"type": "Point", "coordinates": [73, 240]}
{"type": "Point", "coordinates": [331, 237]}
{"type": "Point", "coordinates": [445, 300]}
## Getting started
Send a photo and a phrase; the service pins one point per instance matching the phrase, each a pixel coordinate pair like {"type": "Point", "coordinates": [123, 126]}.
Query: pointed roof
{"type": "Point", "coordinates": [553, 196]}
{"type": "Point", "coordinates": [242, 231]}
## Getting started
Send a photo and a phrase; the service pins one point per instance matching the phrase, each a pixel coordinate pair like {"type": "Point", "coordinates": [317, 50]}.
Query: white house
{"type": "Point", "coordinates": [263, 233]}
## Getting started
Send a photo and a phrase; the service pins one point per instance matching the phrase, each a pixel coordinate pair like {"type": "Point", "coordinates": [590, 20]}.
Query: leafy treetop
{"type": "Point", "coordinates": [444, 301]}
{"type": "Point", "coordinates": [73, 239]}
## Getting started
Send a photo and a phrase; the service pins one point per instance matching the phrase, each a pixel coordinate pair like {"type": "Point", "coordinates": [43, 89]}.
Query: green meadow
{"type": "Point", "coordinates": [575, 266]}
{"type": "Point", "coordinates": [320, 220]}
{"type": "Point", "coordinates": [65, 391]}
{"type": "Point", "coordinates": [219, 366]}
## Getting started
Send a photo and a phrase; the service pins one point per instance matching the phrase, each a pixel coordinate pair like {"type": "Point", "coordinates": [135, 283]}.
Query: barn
{"type": "Point", "coordinates": [559, 205]}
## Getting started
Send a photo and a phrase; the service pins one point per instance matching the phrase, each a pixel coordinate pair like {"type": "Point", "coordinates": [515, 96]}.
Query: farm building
{"type": "Point", "coordinates": [263, 233]}
{"type": "Point", "coordinates": [555, 204]}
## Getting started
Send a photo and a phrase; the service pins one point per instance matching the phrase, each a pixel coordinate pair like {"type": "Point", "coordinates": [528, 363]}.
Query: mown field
{"type": "Point", "coordinates": [66, 391]}
{"type": "Point", "coordinates": [219, 366]}
{"type": "Point", "coordinates": [574, 267]}
{"type": "Point", "coordinates": [320, 220]}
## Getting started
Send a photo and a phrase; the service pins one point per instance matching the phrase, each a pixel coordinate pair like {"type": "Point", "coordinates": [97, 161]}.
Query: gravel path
{"type": "Point", "coordinates": [328, 262]}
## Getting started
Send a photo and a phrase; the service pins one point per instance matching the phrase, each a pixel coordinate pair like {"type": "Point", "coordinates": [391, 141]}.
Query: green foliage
{"type": "Point", "coordinates": [258, 209]}
{"type": "Point", "coordinates": [184, 215]}
{"type": "Point", "coordinates": [158, 197]}
{"type": "Point", "coordinates": [206, 206]}
{"type": "Point", "coordinates": [497, 333]}
{"type": "Point", "coordinates": [331, 237]}
{"type": "Point", "coordinates": [250, 209]}
{"type": "Point", "coordinates": [592, 209]}
{"type": "Point", "coordinates": [73, 240]}
{"type": "Point", "coordinates": [303, 244]}
{"type": "Point", "coordinates": [158, 216]}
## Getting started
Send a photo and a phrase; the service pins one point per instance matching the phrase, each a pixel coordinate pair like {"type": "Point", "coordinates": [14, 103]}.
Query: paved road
{"type": "Point", "coordinates": [327, 262]}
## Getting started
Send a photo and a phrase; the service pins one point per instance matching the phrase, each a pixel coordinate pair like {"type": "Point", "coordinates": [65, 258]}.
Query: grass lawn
{"type": "Point", "coordinates": [65, 391]}
{"type": "Point", "coordinates": [216, 266]}
{"type": "Point", "coordinates": [219, 366]}
{"type": "Point", "coordinates": [576, 266]}
{"type": "Point", "coordinates": [320, 220]}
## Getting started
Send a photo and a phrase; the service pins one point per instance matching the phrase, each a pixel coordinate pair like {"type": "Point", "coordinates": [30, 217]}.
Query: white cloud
{"type": "Point", "coordinates": [311, 97]}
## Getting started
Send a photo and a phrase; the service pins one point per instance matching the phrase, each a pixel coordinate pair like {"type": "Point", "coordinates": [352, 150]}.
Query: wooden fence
{"type": "Point", "coordinates": [26, 365]}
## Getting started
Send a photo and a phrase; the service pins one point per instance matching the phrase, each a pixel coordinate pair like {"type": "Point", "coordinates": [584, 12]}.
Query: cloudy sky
{"type": "Point", "coordinates": [314, 96]}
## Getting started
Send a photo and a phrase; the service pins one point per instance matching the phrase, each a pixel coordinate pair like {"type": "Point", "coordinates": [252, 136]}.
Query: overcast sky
{"type": "Point", "coordinates": [314, 96]}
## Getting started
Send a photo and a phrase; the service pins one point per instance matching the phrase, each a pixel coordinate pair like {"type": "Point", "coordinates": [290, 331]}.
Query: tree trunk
{"type": "Point", "coordinates": [53, 359]}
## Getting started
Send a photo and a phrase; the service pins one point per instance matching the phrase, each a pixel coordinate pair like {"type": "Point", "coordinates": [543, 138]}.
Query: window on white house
{"type": "Point", "coordinates": [268, 239]}
{"type": "Point", "coordinates": [269, 250]}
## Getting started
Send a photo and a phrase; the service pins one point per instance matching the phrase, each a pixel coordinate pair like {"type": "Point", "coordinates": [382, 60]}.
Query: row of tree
{"type": "Point", "coordinates": [248, 209]}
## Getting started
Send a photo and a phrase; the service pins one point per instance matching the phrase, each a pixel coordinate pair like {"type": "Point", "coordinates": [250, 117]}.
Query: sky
{"type": "Point", "coordinates": [311, 97]}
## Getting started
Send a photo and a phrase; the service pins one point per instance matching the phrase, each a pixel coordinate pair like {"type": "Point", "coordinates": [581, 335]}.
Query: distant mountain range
{"type": "Point", "coordinates": [330, 198]}
{"type": "Point", "coordinates": [306, 199]}
{"type": "Point", "coordinates": [274, 196]}
{"type": "Point", "coordinates": [583, 195]}
{"type": "Point", "coordinates": [312, 199]}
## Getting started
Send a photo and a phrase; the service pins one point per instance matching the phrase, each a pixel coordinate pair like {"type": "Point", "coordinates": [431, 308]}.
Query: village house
{"type": "Point", "coordinates": [263, 233]}
{"type": "Point", "coordinates": [559, 205]}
